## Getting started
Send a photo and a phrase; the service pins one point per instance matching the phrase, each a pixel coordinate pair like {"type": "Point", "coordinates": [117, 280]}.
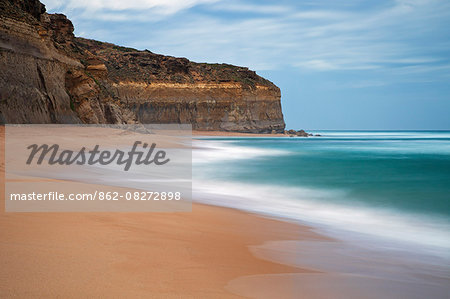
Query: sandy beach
{"type": "Point", "coordinates": [235, 134]}
{"type": "Point", "coordinates": [224, 149]}
{"type": "Point", "coordinates": [192, 251]}
{"type": "Point", "coordinates": [139, 255]}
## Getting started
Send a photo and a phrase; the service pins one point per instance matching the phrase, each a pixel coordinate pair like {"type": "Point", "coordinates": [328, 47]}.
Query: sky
{"type": "Point", "coordinates": [341, 65]}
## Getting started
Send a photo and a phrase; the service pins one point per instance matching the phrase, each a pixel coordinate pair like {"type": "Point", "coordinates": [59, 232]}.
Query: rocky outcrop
{"type": "Point", "coordinates": [50, 76]}
{"type": "Point", "coordinates": [299, 133]}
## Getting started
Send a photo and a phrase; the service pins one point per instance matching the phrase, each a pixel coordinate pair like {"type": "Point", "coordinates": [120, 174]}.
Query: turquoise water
{"type": "Point", "coordinates": [391, 184]}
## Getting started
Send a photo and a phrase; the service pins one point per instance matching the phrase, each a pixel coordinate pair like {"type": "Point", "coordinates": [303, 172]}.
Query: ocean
{"type": "Point", "coordinates": [381, 197]}
{"type": "Point", "coordinates": [390, 188]}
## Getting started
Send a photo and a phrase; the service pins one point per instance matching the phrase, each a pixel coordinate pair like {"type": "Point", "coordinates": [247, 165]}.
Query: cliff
{"type": "Point", "coordinates": [47, 75]}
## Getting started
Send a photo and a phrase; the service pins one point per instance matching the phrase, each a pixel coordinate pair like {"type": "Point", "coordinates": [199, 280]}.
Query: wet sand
{"type": "Point", "coordinates": [211, 252]}
{"type": "Point", "coordinates": [137, 255]}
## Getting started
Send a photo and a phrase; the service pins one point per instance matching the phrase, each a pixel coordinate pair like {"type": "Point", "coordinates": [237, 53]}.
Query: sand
{"type": "Point", "coordinates": [138, 255]}
{"type": "Point", "coordinates": [108, 255]}
{"type": "Point", "coordinates": [234, 134]}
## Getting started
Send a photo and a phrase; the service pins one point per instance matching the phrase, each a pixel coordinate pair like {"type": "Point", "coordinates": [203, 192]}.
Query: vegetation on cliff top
{"type": "Point", "coordinates": [70, 79]}
{"type": "Point", "coordinates": [146, 66]}
{"type": "Point", "coordinates": [124, 62]}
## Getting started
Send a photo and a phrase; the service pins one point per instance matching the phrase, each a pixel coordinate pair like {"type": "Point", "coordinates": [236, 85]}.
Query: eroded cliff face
{"type": "Point", "coordinates": [49, 76]}
{"type": "Point", "coordinates": [32, 71]}
{"type": "Point", "coordinates": [209, 106]}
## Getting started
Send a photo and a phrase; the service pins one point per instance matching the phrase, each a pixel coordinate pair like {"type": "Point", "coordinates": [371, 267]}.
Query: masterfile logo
{"type": "Point", "coordinates": [79, 168]}
{"type": "Point", "coordinates": [146, 156]}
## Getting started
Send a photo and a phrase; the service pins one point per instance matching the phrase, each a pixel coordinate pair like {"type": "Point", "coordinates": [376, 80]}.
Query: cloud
{"type": "Point", "coordinates": [321, 15]}
{"type": "Point", "coordinates": [323, 35]}
{"type": "Point", "coordinates": [318, 65]}
{"type": "Point", "coordinates": [240, 7]}
{"type": "Point", "coordinates": [162, 6]}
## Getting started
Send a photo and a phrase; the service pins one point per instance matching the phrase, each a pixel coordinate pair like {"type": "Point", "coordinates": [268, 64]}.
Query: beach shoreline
{"type": "Point", "coordinates": [213, 251]}
{"type": "Point", "coordinates": [199, 133]}
{"type": "Point", "coordinates": [168, 255]}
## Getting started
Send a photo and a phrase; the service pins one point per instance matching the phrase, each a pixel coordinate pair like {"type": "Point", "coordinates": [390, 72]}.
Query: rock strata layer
{"type": "Point", "coordinates": [47, 75]}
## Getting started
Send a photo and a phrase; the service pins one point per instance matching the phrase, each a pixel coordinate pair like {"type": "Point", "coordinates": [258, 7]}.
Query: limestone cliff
{"type": "Point", "coordinates": [47, 75]}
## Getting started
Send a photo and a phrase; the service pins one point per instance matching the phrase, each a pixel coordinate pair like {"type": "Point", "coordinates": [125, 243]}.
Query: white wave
{"type": "Point", "coordinates": [316, 207]}
{"type": "Point", "coordinates": [215, 151]}
{"type": "Point", "coordinates": [384, 134]}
